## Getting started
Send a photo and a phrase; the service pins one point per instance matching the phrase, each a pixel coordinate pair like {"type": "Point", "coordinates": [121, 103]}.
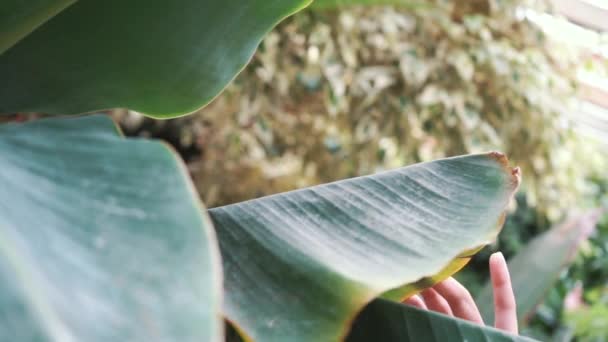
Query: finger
{"type": "Point", "coordinates": [434, 301]}
{"type": "Point", "coordinates": [416, 301]}
{"type": "Point", "coordinates": [505, 309]}
{"type": "Point", "coordinates": [459, 299]}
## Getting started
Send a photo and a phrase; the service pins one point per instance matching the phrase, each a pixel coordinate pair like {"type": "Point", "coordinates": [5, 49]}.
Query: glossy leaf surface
{"type": "Point", "coordinates": [101, 238]}
{"type": "Point", "coordinates": [162, 58]}
{"type": "Point", "coordinates": [300, 265]}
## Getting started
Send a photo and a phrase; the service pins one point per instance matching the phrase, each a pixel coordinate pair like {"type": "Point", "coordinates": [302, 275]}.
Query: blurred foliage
{"type": "Point", "coordinates": [592, 324]}
{"type": "Point", "coordinates": [588, 318]}
{"type": "Point", "coordinates": [336, 94]}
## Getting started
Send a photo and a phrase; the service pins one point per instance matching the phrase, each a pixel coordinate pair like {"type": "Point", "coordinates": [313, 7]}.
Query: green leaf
{"type": "Point", "coordinates": [383, 320]}
{"type": "Point", "coordinates": [300, 265]}
{"type": "Point", "coordinates": [162, 58]}
{"type": "Point", "coordinates": [538, 265]}
{"type": "Point", "coordinates": [101, 238]}
{"type": "Point", "coordinates": [18, 18]}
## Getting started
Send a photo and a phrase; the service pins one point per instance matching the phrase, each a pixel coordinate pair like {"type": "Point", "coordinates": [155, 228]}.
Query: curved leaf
{"type": "Point", "coordinates": [101, 239]}
{"type": "Point", "coordinates": [18, 18]}
{"type": "Point", "coordinates": [300, 265]}
{"type": "Point", "coordinates": [537, 266]}
{"type": "Point", "coordinates": [382, 320]}
{"type": "Point", "coordinates": [163, 58]}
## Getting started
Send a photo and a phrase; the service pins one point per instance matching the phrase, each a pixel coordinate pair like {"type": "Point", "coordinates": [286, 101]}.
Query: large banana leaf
{"type": "Point", "coordinates": [163, 58]}
{"type": "Point", "coordinates": [383, 320]}
{"type": "Point", "coordinates": [300, 265]}
{"type": "Point", "coordinates": [101, 239]}
{"type": "Point", "coordinates": [536, 267]}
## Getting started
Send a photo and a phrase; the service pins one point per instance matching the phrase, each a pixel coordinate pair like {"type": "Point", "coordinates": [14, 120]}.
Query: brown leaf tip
{"type": "Point", "coordinates": [500, 157]}
{"type": "Point", "coordinates": [515, 172]}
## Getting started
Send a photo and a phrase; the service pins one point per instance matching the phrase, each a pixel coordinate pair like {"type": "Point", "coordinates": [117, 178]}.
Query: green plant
{"type": "Point", "coordinates": [586, 282]}
{"type": "Point", "coordinates": [102, 238]}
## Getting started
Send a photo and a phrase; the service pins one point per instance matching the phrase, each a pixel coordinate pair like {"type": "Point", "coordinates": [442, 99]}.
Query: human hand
{"type": "Point", "coordinates": [451, 298]}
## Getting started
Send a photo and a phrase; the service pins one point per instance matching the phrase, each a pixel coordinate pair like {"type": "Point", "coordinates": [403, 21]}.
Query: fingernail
{"type": "Point", "coordinates": [498, 256]}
